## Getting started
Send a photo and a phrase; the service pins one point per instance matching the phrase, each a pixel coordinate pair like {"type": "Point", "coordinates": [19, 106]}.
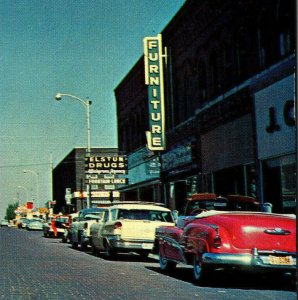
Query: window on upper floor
{"type": "Point", "coordinates": [213, 74]}
{"type": "Point", "coordinates": [276, 32]}
{"type": "Point", "coordinates": [286, 24]}
{"type": "Point", "coordinates": [228, 71]}
{"type": "Point", "coordinates": [202, 83]}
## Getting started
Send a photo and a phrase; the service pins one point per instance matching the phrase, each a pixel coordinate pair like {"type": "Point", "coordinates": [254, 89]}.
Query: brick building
{"type": "Point", "coordinates": [229, 101]}
{"type": "Point", "coordinates": [69, 178]}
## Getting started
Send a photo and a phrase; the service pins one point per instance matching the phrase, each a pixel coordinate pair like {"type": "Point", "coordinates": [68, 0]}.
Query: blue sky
{"type": "Point", "coordinates": [80, 47]}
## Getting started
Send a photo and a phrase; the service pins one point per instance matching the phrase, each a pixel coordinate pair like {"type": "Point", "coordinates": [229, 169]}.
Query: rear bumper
{"type": "Point", "coordinates": [130, 245]}
{"type": "Point", "coordinates": [35, 228]}
{"type": "Point", "coordinates": [85, 238]}
{"type": "Point", "coordinates": [256, 260]}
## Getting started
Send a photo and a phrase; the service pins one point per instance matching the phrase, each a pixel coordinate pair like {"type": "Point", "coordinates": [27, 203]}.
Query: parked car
{"type": "Point", "coordinates": [66, 236]}
{"type": "Point", "coordinates": [201, 202]}
{"type": "Point", "coordinates": [223, 239]}
{"type": "Point", "coordinates": [210, 201]}
{"type": "Point", "coordinates": [19, 222]}
{"type": "Point", "coordinates": [129, 228]}
{"type": "Point", "coordinates": [3, 223]}
{"type": "Point", "coordinates": [35, 224]}
{"type": "Point", "coordinates": [24, 223]}
{"type": "Point", "coordinates": [80, 228]}
{"type": "Point", "coordinates": [55, 226]}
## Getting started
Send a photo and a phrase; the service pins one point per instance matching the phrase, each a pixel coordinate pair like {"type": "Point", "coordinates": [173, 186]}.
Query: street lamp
{"type": "Point", "coordinates": [36, 174]}
{"type": "Point", "coordinates": [22, 187]}
{"type": "Point", "coordinates": [86, 104]}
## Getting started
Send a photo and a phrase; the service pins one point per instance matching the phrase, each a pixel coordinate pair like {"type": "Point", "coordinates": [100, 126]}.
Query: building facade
{"type": "Point", "coordinates": [229, 90]}
{"type": "Point", "coordinates": [69, 182]}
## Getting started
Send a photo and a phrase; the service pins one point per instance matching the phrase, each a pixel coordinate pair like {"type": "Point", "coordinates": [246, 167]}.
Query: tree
{"type": "Point", "coordinates": [10, 214]}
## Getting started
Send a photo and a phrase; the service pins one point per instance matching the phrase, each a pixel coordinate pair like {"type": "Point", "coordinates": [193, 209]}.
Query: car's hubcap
{"type": "Point", "coordinates": [197, 268]}
{"type": "Point", "coordinates": [162, 261]}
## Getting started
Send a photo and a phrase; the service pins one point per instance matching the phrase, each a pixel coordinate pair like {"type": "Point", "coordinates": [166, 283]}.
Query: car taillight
{"type": "Point", "coordinates": [217, 242]}
{"type": "Point", "coordinates": [85, 225]}
{"type": "Point", "coordinates": [117, 225]}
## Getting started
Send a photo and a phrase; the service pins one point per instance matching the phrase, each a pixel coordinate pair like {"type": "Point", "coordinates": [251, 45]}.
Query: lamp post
{"type": "Point", "coordinates": [22, 187]}
{"type": "Point", "coordinates": [36, 174]}
{"type": "Point", "coordinates": [86, 104]}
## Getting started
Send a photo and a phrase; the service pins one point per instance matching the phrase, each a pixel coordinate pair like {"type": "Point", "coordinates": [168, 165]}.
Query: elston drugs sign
{"type": "Point", "coordinates": [106, 164]}
{"type": "Point", "coordinates": [154, 79]}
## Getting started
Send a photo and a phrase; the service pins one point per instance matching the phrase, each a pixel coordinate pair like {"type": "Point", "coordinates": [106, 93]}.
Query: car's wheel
{"type": "Point", "coordinates": [199, 270]}
{"type": "Point", "coordinates": [69, 237]}
{"type": "Point", "coordinates": [94, 250]}
{"type": "Point", "coordinates": [164, 264]}
{"type": "Point", "coordinates": [74, 244]}
{"type": "Point", "coordinates": [110, 253]}
{"type": "Point", "coordinates": [83, 246]}
{"type": "Point", "coordinates": [144, 254]}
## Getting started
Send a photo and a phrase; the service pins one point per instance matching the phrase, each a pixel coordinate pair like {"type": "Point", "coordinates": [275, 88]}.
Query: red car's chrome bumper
{"type": "Point", "coordinates": [280, 260]}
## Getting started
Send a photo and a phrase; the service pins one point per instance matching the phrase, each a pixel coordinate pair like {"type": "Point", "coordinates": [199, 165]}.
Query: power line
{"type": "Point", "coordinates": [24, 165]}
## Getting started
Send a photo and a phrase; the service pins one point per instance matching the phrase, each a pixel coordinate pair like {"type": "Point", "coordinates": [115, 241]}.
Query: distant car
{"type": "Point", "coordinates": [35, 224]}
{"type": "Point", "coordinates": [55, 226]}
{"type": "Point", "coordinates": [19, 222]}
{"type": "Point", "coordinates": [129, 227]}
{"type": "Point", "coordinates": [80, 228]}
{"type": "Point", "coordinates": [25, 223]}
{"type": "Point", "coordinates": [4, 223]}
{"type": "Point", "coordinates": [256, 241]}
{"type": "Point", "coordinates": [66, 236]}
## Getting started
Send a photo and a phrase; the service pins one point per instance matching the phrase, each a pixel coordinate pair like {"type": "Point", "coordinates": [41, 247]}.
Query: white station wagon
{"type": "Point", "coordinates": [129, 227]}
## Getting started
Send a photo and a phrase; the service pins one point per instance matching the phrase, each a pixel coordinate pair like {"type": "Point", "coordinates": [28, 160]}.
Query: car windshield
{"type": "Point", "coordinates": [151, 215]}
{"type": "Point", "coordinates": [62, 220]}
{"type": "Point", "coordinates": [38, 220]}
{"type": "Point", "coordinates": [94, 216]}
{"type": "Point", "coordinates": [206, 204]}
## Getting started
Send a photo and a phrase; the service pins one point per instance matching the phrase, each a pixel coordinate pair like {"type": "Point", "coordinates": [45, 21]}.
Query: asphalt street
{"type": "Point", "coordinates": [34, 267]}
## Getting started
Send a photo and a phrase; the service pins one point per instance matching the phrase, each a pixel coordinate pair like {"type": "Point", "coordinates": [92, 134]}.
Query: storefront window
{"type": "Point", "coordinates": [279, 181]}
{"type": "Point", "coordinates": [251, 187]}
{"type": "Point", "coordinates": [205, 183]}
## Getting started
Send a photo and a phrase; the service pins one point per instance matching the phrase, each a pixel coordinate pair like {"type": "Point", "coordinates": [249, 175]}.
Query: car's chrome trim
{"type": "Point", "coordinates": [277, 231]}
{"type": "Point", "coordinates": [253, 260]}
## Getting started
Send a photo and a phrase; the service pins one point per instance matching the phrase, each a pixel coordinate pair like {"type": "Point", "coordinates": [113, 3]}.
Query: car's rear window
{"type": "Point", "coordinates": [151, 215]}
{"type": "Point", "coordinates": [208, 205]}
{"type": "Point", "coordinates": [62, 220]}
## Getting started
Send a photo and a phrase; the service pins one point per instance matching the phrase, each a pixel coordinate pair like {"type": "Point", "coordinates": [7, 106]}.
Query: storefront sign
{"type": "Point", "coordinates": [106, 164]}
{"type": "Point", "coordinates": [97, 194]}
{"type": "Point", "coordinates": [107, 181]}
{"type": "Point", "coordinates": [275, 119]}
{"type": "Point", "coordinates": [178, 156]}
{"type": "Point", "coordinates": [154, 78]}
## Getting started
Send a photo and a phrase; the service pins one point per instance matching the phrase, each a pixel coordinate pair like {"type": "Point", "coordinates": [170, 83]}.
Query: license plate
{"type": "Point", "coordinates": [280, 260]}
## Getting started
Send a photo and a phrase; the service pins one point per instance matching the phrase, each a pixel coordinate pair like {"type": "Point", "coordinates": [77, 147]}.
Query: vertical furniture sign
{"type": "Point", "coordinates": [154, 79]}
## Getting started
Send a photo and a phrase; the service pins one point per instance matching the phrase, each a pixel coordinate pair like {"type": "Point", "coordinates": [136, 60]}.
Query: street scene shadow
{"type": "Point", "coordinates": [234, 279]}
{"type": "Point", "coordinates": [125, 257]}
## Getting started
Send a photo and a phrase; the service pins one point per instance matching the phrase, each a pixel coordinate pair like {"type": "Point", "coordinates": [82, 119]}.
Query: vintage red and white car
{"type": "Point", "coordinates": [226, 239]}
